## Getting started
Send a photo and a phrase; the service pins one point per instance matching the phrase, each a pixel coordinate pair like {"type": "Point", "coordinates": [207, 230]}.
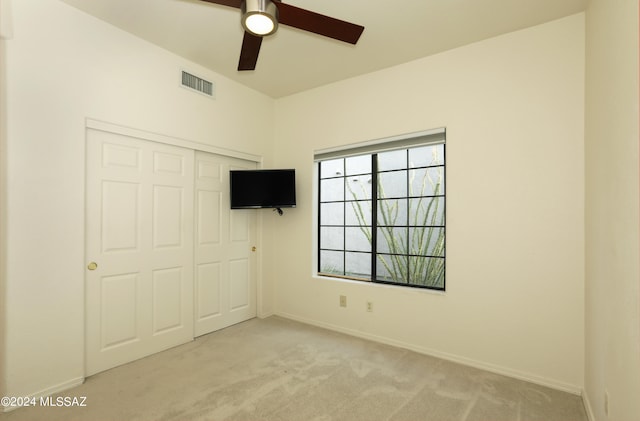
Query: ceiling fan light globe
{"type": "Point", "coordinates": [259, 17]}
{"type": "Point", "coordinates": [259, 24]}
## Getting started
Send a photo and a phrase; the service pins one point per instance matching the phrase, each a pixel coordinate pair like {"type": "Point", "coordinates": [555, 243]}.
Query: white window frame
{"type": "Point", "coordinates": [407, 141]}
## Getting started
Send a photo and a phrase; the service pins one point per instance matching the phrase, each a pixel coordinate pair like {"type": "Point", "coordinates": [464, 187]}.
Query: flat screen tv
{"type": "Point", "coordinates": [251, 189]}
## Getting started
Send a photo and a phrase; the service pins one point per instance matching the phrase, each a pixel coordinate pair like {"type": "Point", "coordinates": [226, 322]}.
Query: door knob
{"type": "Point", "coordinates": [92, 266]}
{"type": "Point", "coordinates": [253, 248]}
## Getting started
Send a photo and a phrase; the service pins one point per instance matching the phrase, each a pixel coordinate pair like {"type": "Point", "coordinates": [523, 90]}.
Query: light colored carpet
{"type": "Point", "coordinates": [278, 369]}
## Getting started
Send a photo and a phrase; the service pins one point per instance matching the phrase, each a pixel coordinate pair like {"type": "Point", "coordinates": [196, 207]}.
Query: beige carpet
{"type": "Point", "coordinates": [277, 369]}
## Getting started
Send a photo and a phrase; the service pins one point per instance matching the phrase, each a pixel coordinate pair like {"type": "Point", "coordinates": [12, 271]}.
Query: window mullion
{"type": "Point", "coordinates": [344, 212]}
{"type": "Point", "coordinates": [374, 215]}
{"type": "Point", "coordinates": [319, 256]}
{"type": "Point", "coordinates": [408, 199]}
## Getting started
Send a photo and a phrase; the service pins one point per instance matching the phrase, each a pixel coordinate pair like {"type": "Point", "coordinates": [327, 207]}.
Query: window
{"type": "Point", "coordinates": [381, 212]}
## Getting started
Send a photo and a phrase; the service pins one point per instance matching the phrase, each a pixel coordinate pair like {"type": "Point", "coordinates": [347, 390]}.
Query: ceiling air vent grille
{"type": "Point", "coordinates": [197, 84]}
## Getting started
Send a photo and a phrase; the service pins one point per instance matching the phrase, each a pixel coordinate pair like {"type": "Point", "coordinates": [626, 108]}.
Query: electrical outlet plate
{"type": "Point", "coordinates": [369, 306]}
{"type": "Point", "coordinates": [343, 301]}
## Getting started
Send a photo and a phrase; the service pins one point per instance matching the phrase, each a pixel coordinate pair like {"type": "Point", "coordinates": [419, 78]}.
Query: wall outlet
{"type": "Point", "coordinates": [343, 301]}
{"type": "Point", "coordinates": [369, 306]}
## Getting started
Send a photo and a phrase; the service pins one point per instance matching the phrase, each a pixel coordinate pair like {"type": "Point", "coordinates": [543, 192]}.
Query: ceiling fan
{"type": "Point", "coordinates": [261, 18]}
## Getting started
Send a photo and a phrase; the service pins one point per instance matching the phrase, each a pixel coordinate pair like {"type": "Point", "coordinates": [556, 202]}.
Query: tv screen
{"type": "Point", "coordinates": [263, 189]}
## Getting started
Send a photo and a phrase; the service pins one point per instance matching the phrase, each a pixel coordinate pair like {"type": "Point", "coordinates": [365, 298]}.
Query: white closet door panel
{"type": "Point", "coordinates": [239, 284]}
{"type": "Point", "coordinates": [226, 279]}
{"type": "Point", "coordinates": [119, 309]}
{"type": "Point", "coordinates": [168, 216]}
{"type": "Point", "coordinates": [139, 299]}
{"type": "Point", "coordinates": [167, 299]}
{"type": "Point", "coordinates": [208, 208]}
{"type": "Point", "coordinates": [208, 299]}
{"type": "Point", "coordinates": [120, 206]}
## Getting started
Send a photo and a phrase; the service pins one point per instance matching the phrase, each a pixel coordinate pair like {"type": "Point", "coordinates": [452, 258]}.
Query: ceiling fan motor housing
{"type": "Point", "coordinates": [261, 12]}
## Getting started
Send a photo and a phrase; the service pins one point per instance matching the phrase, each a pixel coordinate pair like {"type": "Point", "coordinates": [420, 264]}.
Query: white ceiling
{"type": "Point", "coordinates": [292, 60]}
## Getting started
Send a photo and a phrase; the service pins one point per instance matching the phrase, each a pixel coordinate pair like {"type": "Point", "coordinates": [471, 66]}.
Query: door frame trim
{"type": "Point", "coordinates": [169, 140]}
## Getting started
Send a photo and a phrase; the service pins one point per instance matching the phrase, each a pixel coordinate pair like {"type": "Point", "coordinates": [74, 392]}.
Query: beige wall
{"type": "Point", "coordinates": [513, 107]}
{"type": "Point", "coordinates": [5, 33]}
{"type": "Point", "coordinates": [612, 311]}
{"type": "Point", "coordinates": [63, 67]}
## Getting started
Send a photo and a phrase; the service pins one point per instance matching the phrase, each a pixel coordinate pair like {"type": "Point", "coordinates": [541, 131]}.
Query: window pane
{"type": "Point", "coordinates": [393, 160]}
{"type": "Point", "coordinates": [408, 223]}
{"type": "Point", "coordinates": [332, 238]}
{"type": "Point", "coordinates": [426, 241]}
{"type": "Point", "coordinates": [333, 168]}
{"type": "Point", "coordinates": [332, 262]}
{"type": "Point", "coordinates": [427, 211]}
{"type": "Point", "coordinates": [358, 213]}
{"type": "Point", "coordinates": [427, 271]}
{"type": "Point", "coordinates": [358, 165]}
{"type": "Point", "coordinates": [426, 182]}
{"type": "Point", "coordinates": [332, 213]}
{"type": "Point", "coordinates": [392, 268]}
{"type": "Point", "coordinates": [332, 190]}
{"type": "Point", "coordinates": [425, 156]}
{"type": "Point", "coordinates": [392, 212]}
{"type": "Point", "coordinates": [358, 239]}
{"type": "Point", "coordinates": [359, 187]}
{"type": "Point", "coordinates": [392, 240]}
{"type": "Point", "coordinates": [392, 184]}
{"type": "Point", "coordinates": [358, 265]}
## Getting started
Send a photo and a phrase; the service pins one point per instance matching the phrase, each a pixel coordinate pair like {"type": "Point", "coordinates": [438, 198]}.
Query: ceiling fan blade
{"type": "Point", "coordinates": [318, 24]}
{"type": "Point", "coordinates": [249, 53]}
{"type": "Point", "coordinates": [230, 3]}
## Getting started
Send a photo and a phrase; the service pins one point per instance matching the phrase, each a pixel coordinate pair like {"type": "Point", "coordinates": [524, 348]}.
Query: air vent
{"type": "Point", "coordinates": [197, 84]}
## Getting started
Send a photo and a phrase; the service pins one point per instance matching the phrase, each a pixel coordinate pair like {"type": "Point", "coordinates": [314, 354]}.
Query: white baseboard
{"type": "Point", "coordinates": [542, 381]}
{"type": "Point", "coordinates": [262, 315]}
{"type": "Point", "coordinates": [587, 406]}
{"type": "Point", "coordinates": [49, 391]}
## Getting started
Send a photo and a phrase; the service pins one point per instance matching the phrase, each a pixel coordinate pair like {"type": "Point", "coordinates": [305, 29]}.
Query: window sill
{"type": "Point", "coordinates": [397, 287]}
